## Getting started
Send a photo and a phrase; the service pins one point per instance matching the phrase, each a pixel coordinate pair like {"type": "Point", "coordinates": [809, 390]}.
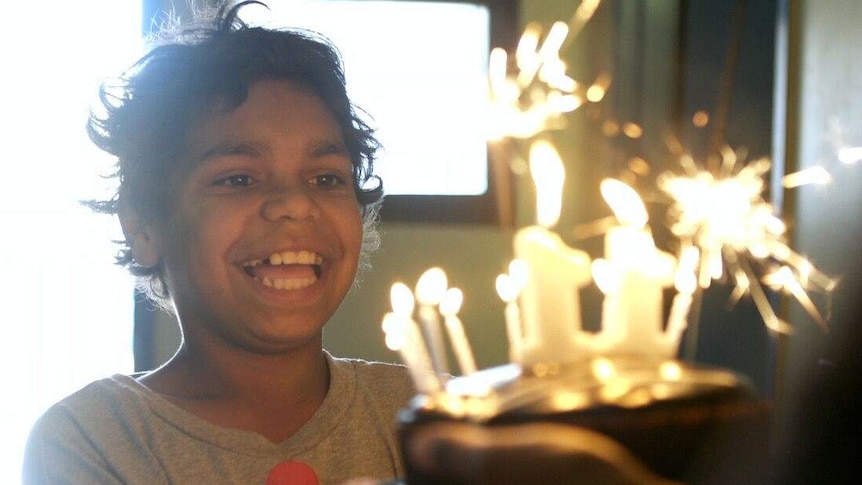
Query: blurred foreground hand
{"type": "Point", "coordinates": [534, 454]}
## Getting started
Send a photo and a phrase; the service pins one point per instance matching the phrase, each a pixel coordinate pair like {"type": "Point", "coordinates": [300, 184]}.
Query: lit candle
{"type": "Point", "coordinates": [449, 307]}
{"type": "Point", "coordinates": [633, 310]}
{"type": "Point", "coordinates": [403, 335]}
{"type": "Point", "coordinates": [430, 290]}
{"type": "Point", "coordinates": [508, 287]}
{"type": "Point", "coordinates": [551, 310]}
{"type": "Point", "coordinates": [685, 283]}
{"type": "Point", "coordinates": [550, 304]}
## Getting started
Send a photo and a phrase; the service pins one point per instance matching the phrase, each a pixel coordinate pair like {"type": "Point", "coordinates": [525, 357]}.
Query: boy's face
{"type": "Point", "coordinates": [265, 234]}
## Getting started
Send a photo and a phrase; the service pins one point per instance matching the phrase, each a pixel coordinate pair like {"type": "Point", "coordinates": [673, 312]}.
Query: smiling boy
{"type": "Point", "coordinates": [243, 170]}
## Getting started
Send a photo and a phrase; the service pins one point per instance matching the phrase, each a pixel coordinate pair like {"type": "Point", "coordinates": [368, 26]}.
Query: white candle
{"type": "Point", "coordinates": [430, 290]}
{"type": "Point", "coordinates": [633, 308]}
{"type": "Point", "coordinates": [550, 303]}
{"type": "Point", "coordinates": [449, 307]}
{"type": "Point", "coordinates": [633, 255]}
{"type": "Point", "coordinates": [678, 319]}
{"type": "Point", "coordinates": [509, 294]}
{"type": "Point", "coordinates": [403, 335]}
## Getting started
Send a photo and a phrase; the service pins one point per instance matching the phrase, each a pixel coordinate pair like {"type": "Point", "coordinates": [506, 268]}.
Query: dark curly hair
{"type": "Point", "coordinates": [194, 71]}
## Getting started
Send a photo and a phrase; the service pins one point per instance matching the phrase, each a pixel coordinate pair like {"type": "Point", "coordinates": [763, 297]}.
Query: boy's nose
{"type": "Point", "coordinates": [289, 204]}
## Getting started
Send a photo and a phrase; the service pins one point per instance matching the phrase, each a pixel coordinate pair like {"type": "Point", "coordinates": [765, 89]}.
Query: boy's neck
{"type": "Point", "coordinates": [241, 389]}
{"type": "Point", "coordinates": [226, 373]}
{"type": "Point", "coordinates": [235, 371]}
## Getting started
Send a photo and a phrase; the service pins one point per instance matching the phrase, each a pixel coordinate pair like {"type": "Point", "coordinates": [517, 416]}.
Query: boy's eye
{"type": "Point", "coordinates": [238, 180]}
{"type": "Point", "coordinates": [328, 180]}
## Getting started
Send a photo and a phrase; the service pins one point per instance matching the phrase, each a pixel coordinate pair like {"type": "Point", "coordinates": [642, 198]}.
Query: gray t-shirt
{"type": "Point", "coordinates": [118, 431]}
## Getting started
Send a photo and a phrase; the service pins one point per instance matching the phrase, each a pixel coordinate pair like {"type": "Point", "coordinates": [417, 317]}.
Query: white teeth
{"type": "Point", "coordinates": [295, 257]}
{"type": "Point", "coordinates": [288, 284]}
{"type": "Point", "coordinates": [288, 257]}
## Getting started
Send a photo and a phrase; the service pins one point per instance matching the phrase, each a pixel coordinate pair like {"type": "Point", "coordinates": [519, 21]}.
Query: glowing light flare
{"type": "Point", "coordinates": [431, 287]}
{"type": "Point", "coordinates": [564, 103]}
{"type": "Point", "coordinates": [670, 371]}
{"type": "Point", "coordinates": [525, 53]}
{"type": "Point", "coordinates": [632, 130]}
{"type": "Point", "coordinates": [549, 175]}
{"type": "Point", "coordinates": [506, 289]}
{"type": "Point", "coordinates": [450, 305]}
{"type": "Point", "coordinates": [509, 285]}
{"type": "Point", "coordinates": [605, 276]}
{"type": "Point", "coordinates": [809, 176]}
{"type": "Point", "coordinates": [603, 369]}
{"type": "Point", "coordinates": [700, 119]}
{"type": "Point", "coordinates": [737, 233]}
{"type": "Point", "coordinates": [625, 202]}
{"type": "Point", "coordinates": [848, 155]}
{"type": "Point", "coordinates": [582, 15]}
{"type": "Point", "coordinates": [498, 62]}
{"type": "Point", "coordinates": [685, 279]}
{"type": "Point", "coordinates": [550, 50]}
{"type": "Point", "coordinates": [534, 98]}
{"type": "Point", "coordinates": [402, 300]}
{"type": "Point", "coordinates": [784, 279]}
{"type": "Point", "coordinates": [395, 340]}
{"type": "Point", "coordinates": [519, 270]}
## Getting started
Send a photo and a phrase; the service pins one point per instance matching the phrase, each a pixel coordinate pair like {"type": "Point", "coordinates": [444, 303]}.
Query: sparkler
{"type": "Point", "coordinates": [533, 98]}
{"type": "Point", "coordinates": [736, 234]}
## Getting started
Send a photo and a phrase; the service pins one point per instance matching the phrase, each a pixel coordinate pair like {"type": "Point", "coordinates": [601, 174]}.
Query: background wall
{"type": "Point", "coordinates": [817, 432]}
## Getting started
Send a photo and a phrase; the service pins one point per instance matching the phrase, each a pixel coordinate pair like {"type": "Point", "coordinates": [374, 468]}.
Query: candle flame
{"type": "Point", "coordinates": [505, 288]}
{"type": "Point", "coordinates": [625, 203]}
{"type": "Point", "coordinates": [548, 173]}
{"type": "Point", "coordinates": [519, 270]}
{"type": "Point", "coordinates": [450, 305]}
{"type": "Point", "coordinates": [391, 323]}
{"type": "Point", "coordinates": [431, 286]}
{"type": "Point", "coordinates": [395, 340]}
{"type": "Point", "coordinates": [605, 276]}
{"type": "Point", "coordinates": [402, 300]}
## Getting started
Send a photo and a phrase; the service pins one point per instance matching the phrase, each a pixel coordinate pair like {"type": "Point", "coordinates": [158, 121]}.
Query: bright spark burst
{"type": "Point", "coordinates": [534, 97]}
{"type": "Point", "coordinates": [737, 235]}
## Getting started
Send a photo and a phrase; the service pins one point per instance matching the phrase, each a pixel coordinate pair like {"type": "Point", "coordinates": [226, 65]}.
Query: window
{"type": "Point", "coordinates": [67, 309]}
{"type": "Point", "coordinates": [419, 69]}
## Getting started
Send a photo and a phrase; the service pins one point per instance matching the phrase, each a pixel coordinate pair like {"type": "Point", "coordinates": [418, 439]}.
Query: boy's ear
{"type": "Point", "coordinates": [141, 236]}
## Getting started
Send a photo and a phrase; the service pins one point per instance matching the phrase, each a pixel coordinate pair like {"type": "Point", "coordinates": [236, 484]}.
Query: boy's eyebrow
{"type": "Point", "coordinates": [229, 148]}
{"type": "Point", "coordinates": [333, 146]}
{"type": "Point", "coordinates": [328, 146]}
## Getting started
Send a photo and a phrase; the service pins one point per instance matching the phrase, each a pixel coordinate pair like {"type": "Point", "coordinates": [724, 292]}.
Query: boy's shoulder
{"type": "Point", "coordinates": [118, 397]}
{"type": "Point", "coordinates": [385, 380]}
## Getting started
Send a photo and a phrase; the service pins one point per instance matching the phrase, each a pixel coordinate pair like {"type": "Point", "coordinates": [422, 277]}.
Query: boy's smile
{"type": "Point", "coordinates": [265, 234]}
{"type": "Point", "coordinates": [288, 270]}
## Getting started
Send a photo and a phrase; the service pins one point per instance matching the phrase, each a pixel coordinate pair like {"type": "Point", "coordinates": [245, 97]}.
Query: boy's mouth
{"type": "Point", "coordinates": [286, 270]}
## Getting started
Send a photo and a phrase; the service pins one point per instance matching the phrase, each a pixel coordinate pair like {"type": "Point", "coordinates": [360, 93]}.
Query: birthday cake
{"type": "Point", "coordinates": [575, 406]}
{"type": "Point", "coordinates": [608, 421]}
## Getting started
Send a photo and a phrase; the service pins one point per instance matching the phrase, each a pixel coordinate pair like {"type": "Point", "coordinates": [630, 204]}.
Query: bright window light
{"type": "Point", "coordinates": [419, 69]}
{"type": "Point", "coordinates": [67, 309]}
